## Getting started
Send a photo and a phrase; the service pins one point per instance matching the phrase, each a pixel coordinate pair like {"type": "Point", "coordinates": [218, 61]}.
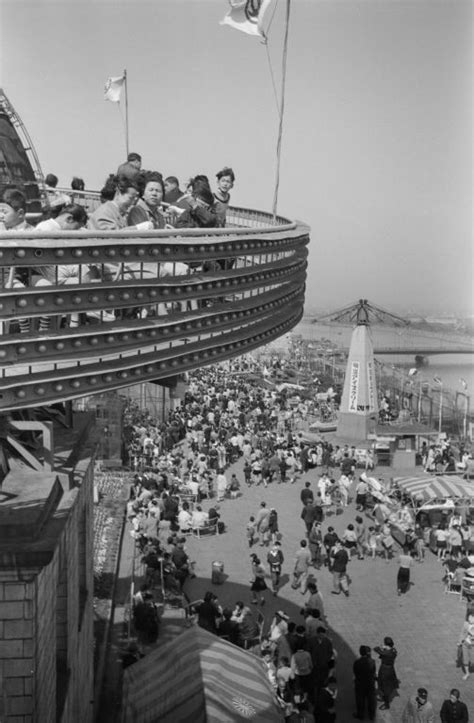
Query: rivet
{"type": "Point", "coordinates": [59, 345]}
{"type": "Point", "coordinates": [58, 387]}
{"type": "Point", "coordinates": [22, 303]}
{"type": "Point", "coordinates": [58, 300]}
{"type": "Point", "coordinates": [20, 253]}
{"type": "Point", "coordinates": [42, 348]}
{"type": "Point", "coordinates": [93, 380]}
{"type": "Point", "coordinates": [77, 343]}
{"type": "Point", "coordinates": [93, 341]}
{"type": "Point", "coordinates": [40, 301]}
{"type": "Point", "coordinates": [59, 253]}
{"type": "Point", "coordinates": [76, 299]}
{"type": "Point", "coordinates": [20, 393]}
{"type": "Point", "coordinates": [76, 383]}
{"type": "Point", "coordinates": [77, 252]}
{"type": "Point", "coordinates": [21, 350]}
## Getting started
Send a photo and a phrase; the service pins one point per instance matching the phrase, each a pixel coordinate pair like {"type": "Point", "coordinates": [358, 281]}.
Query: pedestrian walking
{"type": "Point", "coordinates": [466, 643]}
{"type": "Point", "coordinates": [340, 558]}
{"type": "Point", "coordinates": [364, 670]}
{"type": "Point", "coordinates": [258, 585]}
{"type": "Point", "coordinates": [361, 535]}
{"type": "Point", "coordinates": [453, 709]}
{"type": "Point", "coordinates": [302, 563]}
{"type": "Point", "coordinates": [387, 678]}
{"type": "Point", "coordinates": [251, 530]}
{"type": "Point", "coordinates": [262, 521]}
{"type": "Point", "coordinates": [403, 576]}
{"type": "Point", "coordinates": [418, 708]}
{"type": "Point", "coordinates": [273, 530]}
{"type": "Point", "coordinates": [275, 561]}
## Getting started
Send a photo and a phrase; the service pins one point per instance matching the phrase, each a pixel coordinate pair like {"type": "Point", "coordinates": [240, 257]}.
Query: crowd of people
{"type": "Point", "coordinates": [224, 417]}
{"type": "Point", "coordinates": [132, 198]}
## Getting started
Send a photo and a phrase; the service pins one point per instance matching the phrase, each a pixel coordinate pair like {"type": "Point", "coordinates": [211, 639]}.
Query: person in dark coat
{"type": "Point", "coordinates": [364, 684]}
{"type": "Point", "coordinates": [322, 654]}
{"type": "Point", "coordinates": [228, 628]}
{"type": "Point", "coordinates": [387, 678]}
{"type": "Point", "coordinates": [454, 710]}
{"type": "Point", "coordinates": [326, 701]}
{"type": "Point", "coordinates": [208, 613]}
{"type": "Point", "coordinates": [307, 493]}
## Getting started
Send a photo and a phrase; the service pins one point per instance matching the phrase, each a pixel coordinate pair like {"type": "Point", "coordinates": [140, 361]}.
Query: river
{"type": "Point", "coordinates": [450, 368]}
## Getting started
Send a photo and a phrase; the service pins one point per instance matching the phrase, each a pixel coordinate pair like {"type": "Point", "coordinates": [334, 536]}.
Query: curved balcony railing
{"type": "Point", "coordinates": [162, 303]}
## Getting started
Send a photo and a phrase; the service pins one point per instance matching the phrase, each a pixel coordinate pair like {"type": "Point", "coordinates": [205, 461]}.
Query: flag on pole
{"type": "Point", "coordinates": [247, 16]}
{"type": "Point", "coordinates": [464, 383]}
{"type": "Point", "coordinates": [437, 380]}
{"type": "Point", "coordinates": [412, 372]}
{"type": "Point", "coordinates": [113, 89]}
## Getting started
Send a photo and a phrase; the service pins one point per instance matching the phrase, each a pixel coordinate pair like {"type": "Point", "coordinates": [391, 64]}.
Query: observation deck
{"type": "Point", "coordinates": [167, 313]}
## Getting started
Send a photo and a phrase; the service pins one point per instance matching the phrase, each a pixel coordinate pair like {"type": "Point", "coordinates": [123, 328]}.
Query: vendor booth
{"type": "Point", "coordinates": [200, 678]}
{"type": "Point", "coordinates": [433, 499]}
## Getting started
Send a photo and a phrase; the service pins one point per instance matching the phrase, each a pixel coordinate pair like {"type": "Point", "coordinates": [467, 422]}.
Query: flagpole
{"type": "Point", "coordinates": [282, 109]}
{"type": "Point", "coordinates": [126, 112]}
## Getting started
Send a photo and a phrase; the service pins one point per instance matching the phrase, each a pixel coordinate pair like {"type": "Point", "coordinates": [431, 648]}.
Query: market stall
{"type": "Point", "coordinates": [433, 499]}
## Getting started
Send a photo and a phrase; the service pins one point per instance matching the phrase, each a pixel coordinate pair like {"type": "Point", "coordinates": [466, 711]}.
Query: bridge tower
{"type": "Point", "coordinates": [358, 411]}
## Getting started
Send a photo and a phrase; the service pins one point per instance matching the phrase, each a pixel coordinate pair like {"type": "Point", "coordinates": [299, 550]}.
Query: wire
{"type": "Point", "coordinates": [282, 108]}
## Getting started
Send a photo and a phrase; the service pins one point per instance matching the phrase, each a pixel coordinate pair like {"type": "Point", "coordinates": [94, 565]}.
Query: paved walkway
{"type": "Point", "coordinates": [425, 623]}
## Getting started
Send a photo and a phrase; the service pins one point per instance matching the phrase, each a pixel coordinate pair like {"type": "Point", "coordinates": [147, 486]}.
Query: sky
{"type": "Point", "coordinates": [377, 134]}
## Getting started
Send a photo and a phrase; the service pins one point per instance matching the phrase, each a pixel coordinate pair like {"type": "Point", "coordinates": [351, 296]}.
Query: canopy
{"type": "Point", "coordinates": [198, 677]}
{"type": "Point", "coordinates": [442, 487]}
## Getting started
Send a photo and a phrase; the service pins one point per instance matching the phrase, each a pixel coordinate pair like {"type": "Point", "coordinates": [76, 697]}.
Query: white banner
{"type": "Point", "coordinates": [247, 16]}
{"type": "Point", "coordinates": [113, 89]}
{"type": "Point", "coordinates": [371, 385]}
{"type": "Point", "coordinates": [354, 386]}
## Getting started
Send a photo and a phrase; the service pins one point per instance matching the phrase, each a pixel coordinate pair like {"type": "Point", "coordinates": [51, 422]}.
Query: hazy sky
{"type": "Point", "coordinates": [377, 146]}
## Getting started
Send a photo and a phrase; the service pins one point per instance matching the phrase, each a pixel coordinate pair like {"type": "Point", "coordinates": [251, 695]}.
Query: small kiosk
{"type": "Point", "coordinates": [434, 499]}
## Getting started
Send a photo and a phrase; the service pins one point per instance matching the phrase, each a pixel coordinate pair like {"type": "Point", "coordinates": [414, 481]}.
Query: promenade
{"type": "Point", "coordinates": [424, 624]}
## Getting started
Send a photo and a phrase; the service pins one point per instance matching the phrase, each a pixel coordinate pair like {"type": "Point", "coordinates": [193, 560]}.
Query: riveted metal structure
{"type": "Point", "coordinates": [125, 307]}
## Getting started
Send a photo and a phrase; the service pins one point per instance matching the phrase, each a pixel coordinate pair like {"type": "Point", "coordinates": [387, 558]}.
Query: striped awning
{"type": "Point", "coordinates": [198, 677]}
{"type": "Point", "coordinates": [442, 487]}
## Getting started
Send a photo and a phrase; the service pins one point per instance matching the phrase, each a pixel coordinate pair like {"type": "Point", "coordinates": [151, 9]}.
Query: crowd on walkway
{"type": "Point", "coordinates": [224, 417]}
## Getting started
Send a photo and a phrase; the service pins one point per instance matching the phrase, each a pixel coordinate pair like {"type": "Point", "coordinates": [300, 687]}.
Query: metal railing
{"type": "Point", "coordinates": [85, 312]}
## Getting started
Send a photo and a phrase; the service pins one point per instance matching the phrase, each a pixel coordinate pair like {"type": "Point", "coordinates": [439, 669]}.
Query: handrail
{"type": "Point", "coordinates": [175, 299]}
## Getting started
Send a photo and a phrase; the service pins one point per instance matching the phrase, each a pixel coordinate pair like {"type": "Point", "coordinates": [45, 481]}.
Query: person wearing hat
{"type": "Point", "coordinates": [418, 709]}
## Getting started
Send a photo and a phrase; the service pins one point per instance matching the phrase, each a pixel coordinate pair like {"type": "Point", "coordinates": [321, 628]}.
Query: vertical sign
{"type": "Point", "coordinates": [354, 386]}
{"type": "Point", "coordinates": [371, 385]}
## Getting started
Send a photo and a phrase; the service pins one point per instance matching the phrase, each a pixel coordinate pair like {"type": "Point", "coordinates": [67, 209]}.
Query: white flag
{"type": "Point", "coordinates": [113, 89]}
{"type": "Point", "coordinates": [437, 380]}
{"type": "Point", "coordinates": [464, 383]}
{"type": "Point", "coordinates": [247, 16]}
{"type": "Point", "coordinates": [412, 372]}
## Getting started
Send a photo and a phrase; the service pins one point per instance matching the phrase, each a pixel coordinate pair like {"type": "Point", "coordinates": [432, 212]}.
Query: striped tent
{"type": "Point", "coordinates": [198, 677]}
{"type": "Point", "coordinates": [442, 487]}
